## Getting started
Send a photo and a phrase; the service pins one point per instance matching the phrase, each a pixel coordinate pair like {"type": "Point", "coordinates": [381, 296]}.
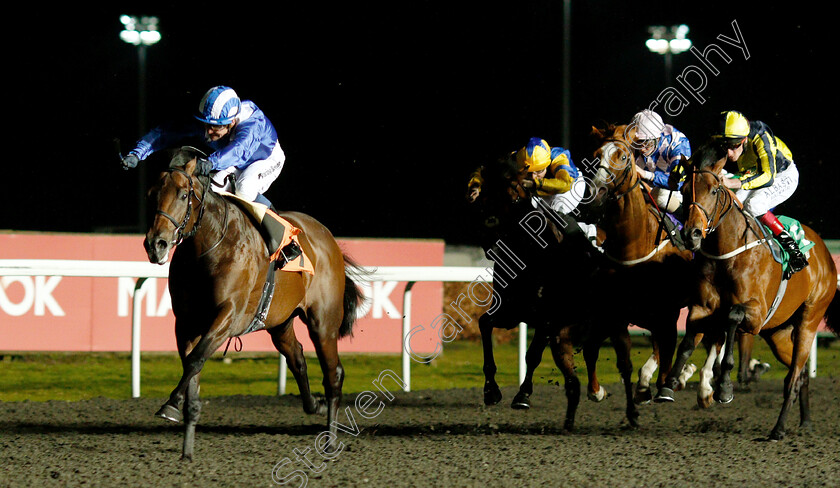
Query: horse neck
{"type": "Point", "coordinates": [211, 229]}
{"type": "Point", "coordinates": [733, 230]}
{"type": "Point", "coordinates": [632, 228]}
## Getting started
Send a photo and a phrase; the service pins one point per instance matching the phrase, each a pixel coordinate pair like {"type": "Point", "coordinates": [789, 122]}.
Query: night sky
{"type": "Point", "coordinates": [383, 111]}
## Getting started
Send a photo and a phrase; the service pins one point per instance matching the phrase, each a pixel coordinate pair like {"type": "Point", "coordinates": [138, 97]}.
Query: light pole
{"type": "Point", "coordinates": [668, 41]}
{"type": "Point", "coordinates": [142, 32]}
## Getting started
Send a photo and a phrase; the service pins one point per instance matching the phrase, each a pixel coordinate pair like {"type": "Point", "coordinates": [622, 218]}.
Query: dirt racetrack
{"type": "Point", "coordinates": [427, 438]}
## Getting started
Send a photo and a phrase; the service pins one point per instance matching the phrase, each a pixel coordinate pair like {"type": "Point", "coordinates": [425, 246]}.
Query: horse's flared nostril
{"type": "Point", "coordinates": [161, 244]}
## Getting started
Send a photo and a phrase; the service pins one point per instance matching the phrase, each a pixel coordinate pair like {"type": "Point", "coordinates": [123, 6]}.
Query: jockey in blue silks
{"type": "Point", "coordinates": [659, 149]}
{"type": "Point", "coordinates": [243, 141]}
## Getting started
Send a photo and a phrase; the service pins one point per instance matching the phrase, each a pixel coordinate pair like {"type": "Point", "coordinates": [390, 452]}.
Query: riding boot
{"type": "Point", "coordinates": [797, 260]}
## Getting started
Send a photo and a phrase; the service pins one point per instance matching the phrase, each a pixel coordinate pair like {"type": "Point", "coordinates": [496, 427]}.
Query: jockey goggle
{"type": "Point", "coordinates": [727, 144]}
{"type": "Point", "coordinates": [215, 128]}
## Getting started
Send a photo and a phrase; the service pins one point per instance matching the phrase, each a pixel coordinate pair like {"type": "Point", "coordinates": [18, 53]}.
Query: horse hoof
{"type": "Point", "coordinates": [724, 397]}
{"type": "Point", "coordinates": [520, 402]}
{"type": "Point", "coordinates": [704, 401]}
{"type": "Point", "coordinates": [776, 435]}
{"type": "Point", "coordinates": [642, 396]}
{"type": "Point", "coordinates": [169, 412]}
{"type": "Point", "coordinates": [665, 395]}
{"type": "Point", "coordinates": [597, 397]}
{"type": "Point", "coordinates": [492, 396]}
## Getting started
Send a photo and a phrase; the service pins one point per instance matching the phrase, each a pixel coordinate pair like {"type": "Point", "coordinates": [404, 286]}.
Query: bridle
{"type": "Point", "coordinates": [623, 176]}
{"type": "Point", "coordinates": [725, 201]}
{"type": "Point", "coordinates": [180, 226]}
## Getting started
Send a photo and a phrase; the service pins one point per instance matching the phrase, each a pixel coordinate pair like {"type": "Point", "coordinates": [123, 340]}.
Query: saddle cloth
{"type": "Point", "coordinates": [277, 232]}
{"type": "Point", "coordinates": [794, 229]}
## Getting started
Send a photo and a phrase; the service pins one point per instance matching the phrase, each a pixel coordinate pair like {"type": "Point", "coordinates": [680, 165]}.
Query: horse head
{"type": "Point", "coordinates": [704, 194]}
{"type": "Point", "coordinates": [178, 198]}
{"type": "Point", "coordinates": [615, 156]}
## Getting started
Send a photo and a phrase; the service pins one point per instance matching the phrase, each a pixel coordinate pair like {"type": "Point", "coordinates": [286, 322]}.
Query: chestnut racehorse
{"type": "Point", "coordinates": [650, 276]}
{"type": "Point", "coordinates": [216, 281]}
{"type": "Point", "coordinates": [739, 285]}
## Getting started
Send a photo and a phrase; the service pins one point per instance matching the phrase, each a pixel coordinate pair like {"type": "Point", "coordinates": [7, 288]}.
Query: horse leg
{"type": "Point", "coordinates": [705, 391]}
{"type": "Point", "coordinates": [792, 349]}
{"type": "Point", "coordinates": [192, 360]}
{"type": "Point", "coordinates": [684, 351]}
{"type": "Point", "coordinates": [522, 400]}
{"type": "Point", "coordinates": [745, 347]}
{"type": "Point", "coordinates": [192, 412]}
{"type": "Point", "coordinates": [643, 394]}
{"type": "Point", "coordinates": [492, 393]}
{"type": "Point", "coordinates": [724, 388]}
{"type": "Point", "coordinates": [284, 340]}
{"type": "Point", "coordinates": [591, 350]}
{"type": "Point", "coordinates": [621, 344]}
{"type": "Point", "coordinates": [562, 350]}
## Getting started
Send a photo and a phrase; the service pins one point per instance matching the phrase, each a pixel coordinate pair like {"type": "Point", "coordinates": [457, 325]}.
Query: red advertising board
{"type": "Point", "coordinates": [54, 313]}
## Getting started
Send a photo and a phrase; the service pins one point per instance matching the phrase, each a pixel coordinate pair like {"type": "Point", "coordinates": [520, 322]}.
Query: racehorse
{"type": "Point", "coordinates": [540, 278]}
{"type": "Point", "coordinates": [739, 283]}
{"type": "Point", "coordinates": [650, 276]}
{"type": "Point", "coordinates": [216, 281]}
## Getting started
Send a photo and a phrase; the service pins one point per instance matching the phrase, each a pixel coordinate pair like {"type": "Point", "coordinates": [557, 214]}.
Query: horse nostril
{"type": "Point", "coordinates": [696, 233]}
{"type": "Point", "coordinates": [161, 244]}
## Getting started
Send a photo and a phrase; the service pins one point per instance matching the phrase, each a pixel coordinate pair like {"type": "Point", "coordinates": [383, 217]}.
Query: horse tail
{"type": "Point", "coordinates": [353, 296]}
{"type": "Point", "coordinates": [831, 317]}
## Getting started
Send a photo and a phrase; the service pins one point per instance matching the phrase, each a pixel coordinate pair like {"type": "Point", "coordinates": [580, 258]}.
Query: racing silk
{"type": "Point", "coordinates": [560, 174]}
{"type": "Point", "coordinates": [252, 139]}
{"type": "Point", "coordinates": [665, 158]}
{"type": "Point", "coordinates": [764, 155]}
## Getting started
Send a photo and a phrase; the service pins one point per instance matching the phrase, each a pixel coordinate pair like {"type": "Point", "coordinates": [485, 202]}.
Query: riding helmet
{"type": "Point", "coordinates": [732, 125]}
{"type": "Point", "coordinates": [535, 156]}
{"type": "Point", "coordinates": [219, 106]}
{"type": "Point", "coordinates": [648, 125]}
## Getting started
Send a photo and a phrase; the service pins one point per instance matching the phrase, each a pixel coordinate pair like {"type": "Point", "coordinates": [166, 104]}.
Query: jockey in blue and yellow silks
{"type": "Point", "coordinates": [555, 178]}
{"type": "Point", "coordinates": [767, 175]}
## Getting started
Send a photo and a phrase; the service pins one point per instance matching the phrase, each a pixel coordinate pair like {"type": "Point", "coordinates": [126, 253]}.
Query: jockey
{"type": "Point", "coordinates": [243, 140]}
{"type": "Point", "coordinates": [554, 177]}
{"type": "Point", "coordinates": [660, 147]}
{"type": "Point", "coordinates": [768, 175]}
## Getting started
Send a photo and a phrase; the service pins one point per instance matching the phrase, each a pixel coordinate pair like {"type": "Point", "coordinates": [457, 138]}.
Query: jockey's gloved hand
{"type": "Point", "coordinates": [129, 161]}
{"type": "Point", "coordinates": [203, 167]}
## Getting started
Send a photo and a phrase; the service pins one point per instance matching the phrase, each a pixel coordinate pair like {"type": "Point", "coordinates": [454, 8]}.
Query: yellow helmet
{"type": "Point", "coordinates": [732, 125]}
{"type": "Point", "coordinates": [535, 156]}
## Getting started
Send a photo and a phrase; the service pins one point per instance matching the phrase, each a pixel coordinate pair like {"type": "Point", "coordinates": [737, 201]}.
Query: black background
{"type": "Point", "coordinates": [384, 110]}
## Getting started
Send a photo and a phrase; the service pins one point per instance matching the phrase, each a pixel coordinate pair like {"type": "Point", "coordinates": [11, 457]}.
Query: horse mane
{"type": "Point", "coordinates": [707, 155]}
{"type": "Point", "coordinates": [181, 156]}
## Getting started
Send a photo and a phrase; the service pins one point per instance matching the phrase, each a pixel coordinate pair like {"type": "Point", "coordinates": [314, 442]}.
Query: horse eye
{"type": "Point", "coordinates": [184, 196]}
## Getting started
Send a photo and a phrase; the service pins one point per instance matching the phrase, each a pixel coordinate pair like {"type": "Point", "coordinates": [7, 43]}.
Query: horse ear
{"type": "Point", "coordinates": [597, 132]}
{"type": "Point", "coordinates": [190, 166]}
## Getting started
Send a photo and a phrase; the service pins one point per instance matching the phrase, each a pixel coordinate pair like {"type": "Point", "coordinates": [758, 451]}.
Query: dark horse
{"type": "Point", "coordinates": [541, 278]}
{"type": "Point", "coordinates": [739, 284]}
{"type": "Point", "coordinates": [216, 281]}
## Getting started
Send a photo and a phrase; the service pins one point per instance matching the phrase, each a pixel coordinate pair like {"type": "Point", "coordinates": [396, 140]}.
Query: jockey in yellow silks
{"type": "Point", "coordinates": [767, 175]}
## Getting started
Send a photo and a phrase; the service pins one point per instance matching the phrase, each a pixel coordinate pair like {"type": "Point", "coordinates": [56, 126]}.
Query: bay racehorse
{"type": "Point", "coordinates": [741, 282]}
{"type": "Point", "coordinates": [540, 277]}
{"type": "Point", "coordinates": [649, 276]}
{"type": "Point", "coordinates": [216, 281]}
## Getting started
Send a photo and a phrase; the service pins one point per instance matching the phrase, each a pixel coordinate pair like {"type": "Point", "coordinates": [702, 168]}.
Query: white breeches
{"type": "Point", "coordinates": [760, 201]}
{"type": "Point", "coordinates": [255, 178]}
{"type": "Point", "coordinates": [666, 200]}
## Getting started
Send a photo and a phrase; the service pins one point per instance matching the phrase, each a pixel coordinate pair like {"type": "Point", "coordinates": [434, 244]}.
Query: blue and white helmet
{"type": "Point", "coordinates": [219, 106]}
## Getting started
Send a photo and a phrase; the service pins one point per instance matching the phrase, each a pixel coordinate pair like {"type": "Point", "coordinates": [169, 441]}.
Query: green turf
{"type": "Point", "coordinates": [40, 377]}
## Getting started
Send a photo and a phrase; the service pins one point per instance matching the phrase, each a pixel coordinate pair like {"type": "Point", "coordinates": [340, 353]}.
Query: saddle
{"type": "Point", "coordinates": [284, 251]}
